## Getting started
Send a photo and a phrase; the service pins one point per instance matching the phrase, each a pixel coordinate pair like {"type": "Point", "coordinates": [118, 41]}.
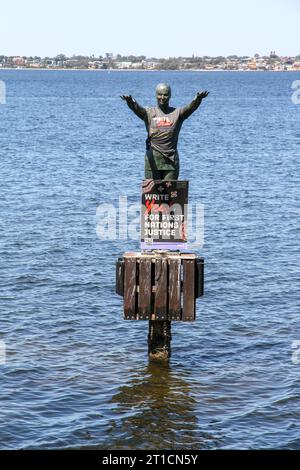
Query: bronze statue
{"type": "Point", "coordinates": [163, 124]}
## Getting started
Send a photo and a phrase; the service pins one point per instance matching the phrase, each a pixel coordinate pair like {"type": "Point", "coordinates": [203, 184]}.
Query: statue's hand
{"type": "Point", "coordinates": [128, 98]}
{"type": "Point", "coordinates": [202, 94]}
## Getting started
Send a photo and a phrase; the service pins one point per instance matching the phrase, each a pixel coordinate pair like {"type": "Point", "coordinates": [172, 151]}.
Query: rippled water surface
{"type": "Point", "coordinates": [77, 375]}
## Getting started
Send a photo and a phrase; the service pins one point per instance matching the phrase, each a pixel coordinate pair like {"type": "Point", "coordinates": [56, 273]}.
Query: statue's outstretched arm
{"type": "Point", "coordinates": [134, 106]}
{"type": "Point", "coordinates": [187, 110]}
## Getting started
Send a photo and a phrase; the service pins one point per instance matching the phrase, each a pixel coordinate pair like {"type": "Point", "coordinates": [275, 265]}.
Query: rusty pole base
{"type": "Point", "coordinates": [159, 339]}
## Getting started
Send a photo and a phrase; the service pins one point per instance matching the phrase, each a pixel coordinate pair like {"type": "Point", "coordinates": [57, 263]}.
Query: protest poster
{"type": "Point", "coordinates": [164, 214]}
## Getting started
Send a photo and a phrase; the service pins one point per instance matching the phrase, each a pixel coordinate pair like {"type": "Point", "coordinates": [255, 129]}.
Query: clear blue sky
{"type": "Point", "coordinates": [158, 28]}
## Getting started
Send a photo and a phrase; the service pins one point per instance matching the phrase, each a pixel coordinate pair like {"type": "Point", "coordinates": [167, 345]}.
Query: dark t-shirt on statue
{"type": "Point", "coordinates": [161, 144]}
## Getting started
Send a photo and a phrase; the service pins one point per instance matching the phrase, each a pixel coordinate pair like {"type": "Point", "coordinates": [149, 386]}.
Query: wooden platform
{"type": "Point", "coordinates": [160, 285]}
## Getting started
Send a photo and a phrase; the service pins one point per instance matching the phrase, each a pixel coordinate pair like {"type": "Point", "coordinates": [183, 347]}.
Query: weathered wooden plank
{"type": "Point", "coordinates": [174, 289]}
{"type": "Point", "coordinates": [132, 254]}
{"type": "Point", "coordinates": [161, 294]}
{"type": "Point", "coordinates": [188, 290]}
{"type": "Point", "coordinates": [120, 277]}
{"type": "Point", "coordinates": [199, 278]}
{"type": "Point", "coordinates": [145, 290]}
{"type": "Point", "coordinates": [130, 289]}
{"type": "Point", "coordinates": [187, 255]}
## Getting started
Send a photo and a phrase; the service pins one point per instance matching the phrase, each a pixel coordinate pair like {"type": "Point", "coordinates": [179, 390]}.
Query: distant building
{"type": "Point", "coordinates": [123, 65]}
{"type": "Point", "coordinates": [18, 61]}
{"type": "Point", "coordinates": [138, 65]}
{"type": "Point", "coordinates": [252, 65]}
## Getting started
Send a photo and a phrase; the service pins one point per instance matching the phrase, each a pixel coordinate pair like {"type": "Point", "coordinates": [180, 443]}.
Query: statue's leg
{"type": "Point", "coordinates": [170, 174]}
{"type": "Point", "coordinates": [148, 174]}
{"type": "Point", "coordinates": [151, 169]}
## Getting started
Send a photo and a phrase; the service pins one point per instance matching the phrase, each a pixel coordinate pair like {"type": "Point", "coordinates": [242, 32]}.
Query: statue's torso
{"type": "Point", "coordinates": [163, 130]}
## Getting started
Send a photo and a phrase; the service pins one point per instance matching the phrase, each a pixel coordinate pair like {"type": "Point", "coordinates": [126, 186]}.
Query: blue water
{"type": "Point", "coordinates": [77, 375]}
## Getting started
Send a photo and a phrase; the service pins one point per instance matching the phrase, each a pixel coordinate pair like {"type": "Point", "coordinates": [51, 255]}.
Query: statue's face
{"type": "Point", "coordinates": [163, 95]}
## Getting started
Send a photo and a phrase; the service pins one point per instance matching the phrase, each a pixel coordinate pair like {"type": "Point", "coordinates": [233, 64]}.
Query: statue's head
{"type": "Point", "coordinates": [163, 95]}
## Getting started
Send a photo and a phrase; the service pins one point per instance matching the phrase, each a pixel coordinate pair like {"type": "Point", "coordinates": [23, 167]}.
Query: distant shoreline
{"type": "Point", "coordinates": [139, 70]}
